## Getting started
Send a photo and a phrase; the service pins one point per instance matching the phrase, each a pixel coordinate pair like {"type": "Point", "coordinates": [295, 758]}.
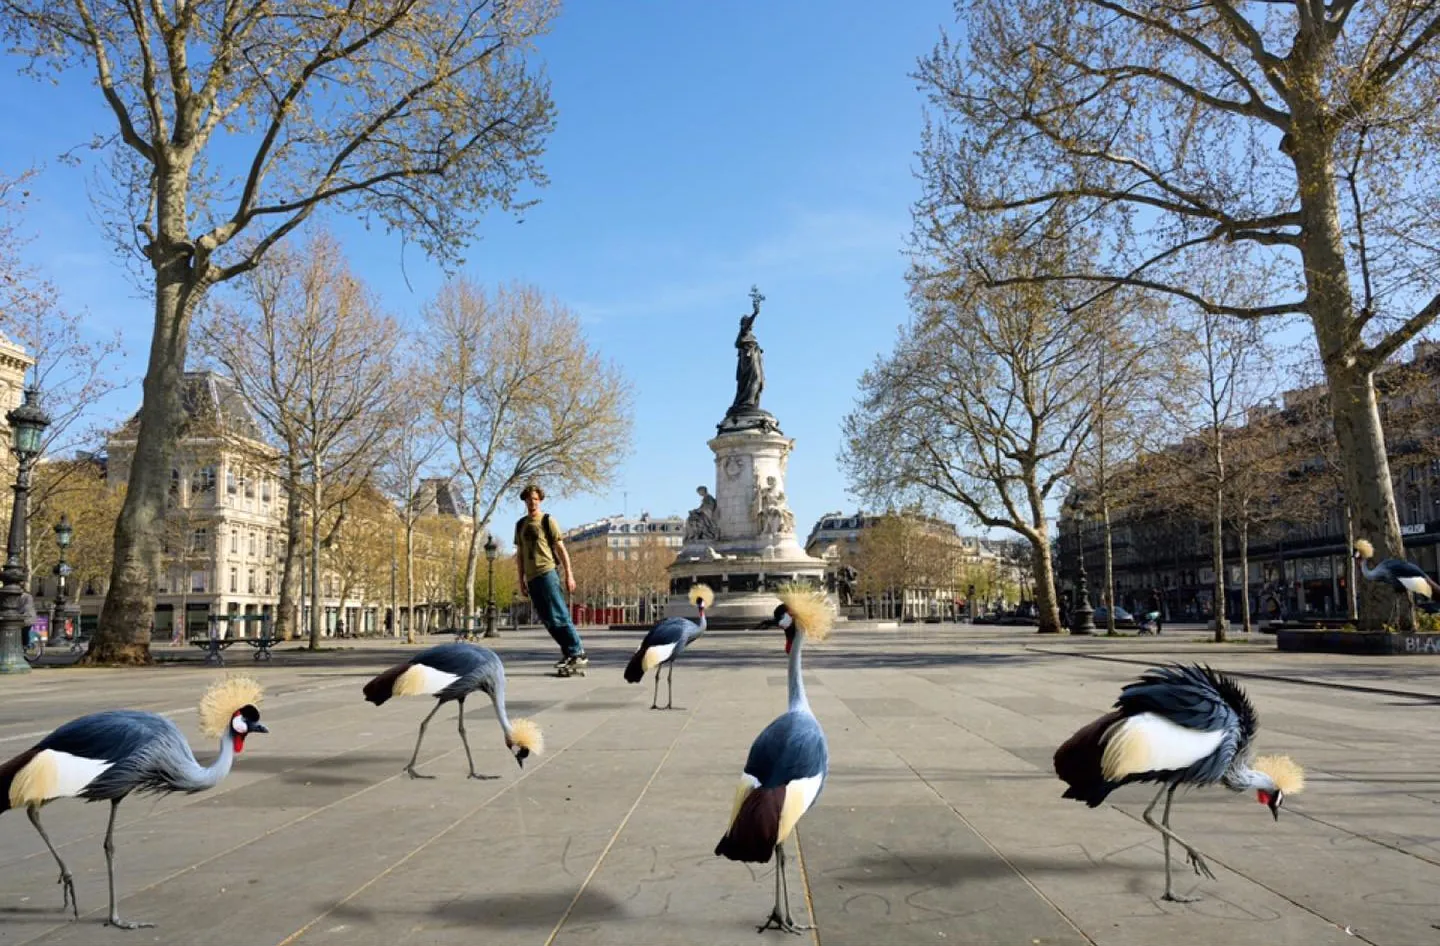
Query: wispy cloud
{"type": "Point", "coordinates": [812, 243]}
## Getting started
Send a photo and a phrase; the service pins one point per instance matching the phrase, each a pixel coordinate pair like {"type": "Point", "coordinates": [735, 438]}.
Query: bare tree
{"type": "Point", "coordinates": [522, 395]}
{"type": "Point", "coordinates": [241, 119]}
{"type": "Point", "coordinates": [73, 368]}
{"type": "Point", "coordinates": [409, 453]}
{"type": "Point", "coordinates": [312, 354]}
{"type": "Point", "coordinates": [1294, 139]}
{"type": "Point", "coordinates": [986, 402]}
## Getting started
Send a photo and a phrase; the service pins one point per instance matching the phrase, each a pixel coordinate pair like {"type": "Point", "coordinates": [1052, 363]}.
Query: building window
{"type": "Point", "coordinates": [197, 580]}
{"type": "Point", "coordinates": [234, 543]}
{"type": "Point", "coordinates": [230, 484]}
{"type": "Point", "coordinates": [250, 582]}
{"type": "Point", "coordinates": [249, 485]}
{"type": "Point", "coordinates": [265, 490]}
{"type": "Point", "coordinates": [234, 580]}
{"type": "Point", "coordinates": [254, 548]}
{"type": "Point", "coordinates": [200, 540]}
{"type": "Point", "coordinates": [202, 481]}
{"type": "Point", "coordinates": [269, 545]}
{"type": "Point", "coordinates": [269, 587]}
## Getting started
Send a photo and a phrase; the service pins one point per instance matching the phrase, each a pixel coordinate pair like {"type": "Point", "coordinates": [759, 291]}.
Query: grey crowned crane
{"type": "Point", "coordinates": [1404, 576]}
{"type": "Point", "coordinates": [452, 672]}
{"type": "Point", "coordinates": [1178, 725]}
{"type": "Point", "coordinates": [111, 755]}
{"type": "Point", "coordinates": [666, 641]}
{"type": "Point", "coordinates": [788, 762]}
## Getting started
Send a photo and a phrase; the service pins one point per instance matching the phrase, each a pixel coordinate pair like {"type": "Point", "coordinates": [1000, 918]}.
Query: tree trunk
{"type": "Point", "coordinates": [1245, 571]}
{"type": "Point", "coordinates": [1047, 606]}
{"type": "Point", "coordinates": [1108, 596]}
{"type": "Point", "coordinates": [317, 608]}
{"type": "Point", "coordinates": [1217, 561]}
{"type": "Point", "coordinates": [1367, 482]}
{"type": "Point", "coordinates": [123, 632]}
{"type": "Point", "coordinates": [285, 623]}
{"type": "Point", "coordinates": [472, 568]}
{"type": "Point", "coordinates": [1351, 572]}
{"type": "Point", "coordinates": [409, 581]}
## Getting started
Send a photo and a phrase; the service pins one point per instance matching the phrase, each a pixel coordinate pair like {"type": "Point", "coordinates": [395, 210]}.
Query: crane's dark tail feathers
{"type": "Point", "coordinates": [635, 669]}
{"type": "Point", "coordinates": [756, 827]}
{"type": "Point", "coordinates": [1077, 762]}
{"type": "Point", "coordinates": [9, 770]}
{"type": "Point", "coordinates": [380, 689]}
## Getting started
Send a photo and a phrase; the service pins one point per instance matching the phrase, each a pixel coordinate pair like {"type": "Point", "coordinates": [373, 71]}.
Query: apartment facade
{"type": "Point", "coordinates": [620, 567]}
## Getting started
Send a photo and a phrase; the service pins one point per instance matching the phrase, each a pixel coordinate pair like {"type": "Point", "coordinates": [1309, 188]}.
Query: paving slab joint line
{"type": "Point", "coordinates": [689, 718]}
{"type": "Point", "coordinates": [805, 884]}
{"type": "Point", "coordinates": [988, 843]}
{"type": "Point", "coordinates": [1249, 674]}
{"type": "Point", "coordinates": [444, 831]}
{"type": "Point", "coordinates": [1363, 837]}
{"type": "Point", "coordinates": [1264, 886]}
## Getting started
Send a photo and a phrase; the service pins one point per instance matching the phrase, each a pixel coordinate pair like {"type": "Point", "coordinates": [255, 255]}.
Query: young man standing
{"type": "Point", "coordinates": [539, 555]}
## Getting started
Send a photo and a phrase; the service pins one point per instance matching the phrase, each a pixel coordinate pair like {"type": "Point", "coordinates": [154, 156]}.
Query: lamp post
{"type": "Point", "coordinates": [1082, 618]}
{"type": "Point", "coordinates": [490, 552]}
{"type": "Point", "coordinates": [27, 424]}
{"type": "Point", "coordinates": [64, 535]}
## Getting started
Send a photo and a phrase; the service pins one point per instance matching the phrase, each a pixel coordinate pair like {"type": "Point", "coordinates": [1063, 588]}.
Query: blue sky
{"type": "Point", "coordinates": [699, 148]}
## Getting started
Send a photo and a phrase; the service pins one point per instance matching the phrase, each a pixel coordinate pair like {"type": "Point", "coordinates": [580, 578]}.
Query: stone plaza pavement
{"type": "Point", "coordinates": [942, 820]}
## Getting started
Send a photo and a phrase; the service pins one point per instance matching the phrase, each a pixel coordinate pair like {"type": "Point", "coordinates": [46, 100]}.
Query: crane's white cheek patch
{"type": "Point", "coordinates": [799, 796]}
{"type": "Point", "coordinates": [54, 774]}
{"type": "Point", "coordinates": [656, 656]}
{"type": "Point", "coordinates": [421, 680]}
{"type": "Point", "coordinates": [1151, 743]}
{"type": "Point", "coordinates": [1417, 586]}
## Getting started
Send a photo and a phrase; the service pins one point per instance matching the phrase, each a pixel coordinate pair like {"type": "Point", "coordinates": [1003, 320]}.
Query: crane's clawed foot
{"type": "Point", "coordinates": [118, 923]}
{"type": "Point", "coordinates": [410, 771]}
{"type": "Point", "coordinates": [71, 900]}
{"type": "Point", "coordinates": [783, 924]}
{"type": "Point", "coordinates": [1176, 898]}
{"type": "Point", "coordinates": [482, 777]}
{"type": "Point", "coordinates": [1198, 863]}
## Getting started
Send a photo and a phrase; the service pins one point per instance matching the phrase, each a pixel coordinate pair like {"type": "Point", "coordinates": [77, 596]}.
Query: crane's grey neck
{"type": "Point", "coordinates": [193, 777]}
{"type": "Point", "coordinates": [1241, 777]}
{"type": "Point", "coordinates": [497, 696]}
{"type": "Point", "coordinates": [798, 700]}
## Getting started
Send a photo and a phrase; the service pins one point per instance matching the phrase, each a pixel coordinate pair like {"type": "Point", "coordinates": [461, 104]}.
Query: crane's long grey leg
{"type": "Point", "coordinates": [65, 878]}
{"type": "Point", "coordinates": [655, 700]}
{"type": "Point", "coordinates": [780, 917]}
{"type": "Point", "coordinates": [670, 687]}
{"type": "Point", "coordinates": [466, 743]}
{"type": "Point", "coordinates": [410, 767]}
{"type": "Point", "coordinates": [1196, 860]}
{"type": "Point", "coordinates": [110, 869]}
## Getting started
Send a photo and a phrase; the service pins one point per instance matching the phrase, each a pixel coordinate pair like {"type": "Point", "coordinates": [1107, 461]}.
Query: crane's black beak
{"type": "Point", "coordinates": [258, 726]}
{"type": "Point", "coordinates": [521, 756]}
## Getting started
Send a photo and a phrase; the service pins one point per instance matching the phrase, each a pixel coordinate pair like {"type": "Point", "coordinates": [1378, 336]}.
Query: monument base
{"type": "Point", "coordinates": [745, 586]}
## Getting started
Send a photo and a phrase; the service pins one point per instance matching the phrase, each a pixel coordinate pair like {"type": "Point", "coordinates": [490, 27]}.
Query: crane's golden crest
{"type": "Point", "coordinates": [223, 698]}
{"type": "Point", "coordinates": [1288, 776]}
{"type": "Point", "coordinates": [526, 734]}
{"type": "Point", "coordinates": [810, 609]}
{"type": "Point", "coordinates": [702, 595]}
{"type": "Point", "coordinates": [1364, 548]}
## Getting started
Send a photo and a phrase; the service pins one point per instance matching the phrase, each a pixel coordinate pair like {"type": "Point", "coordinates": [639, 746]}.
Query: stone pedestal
{"type": "Point", "coordinates": [751, 547]}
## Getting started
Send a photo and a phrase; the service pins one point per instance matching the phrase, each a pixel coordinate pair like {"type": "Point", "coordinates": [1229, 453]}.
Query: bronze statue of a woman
{"type": "Point", "coordinates": [749, 367]}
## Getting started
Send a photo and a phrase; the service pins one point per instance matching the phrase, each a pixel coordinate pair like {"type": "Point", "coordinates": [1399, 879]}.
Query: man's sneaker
{"type": "Point", "coordinates": [574, 666]}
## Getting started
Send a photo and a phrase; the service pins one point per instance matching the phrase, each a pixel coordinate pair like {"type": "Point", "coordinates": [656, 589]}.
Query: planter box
{"type": "Point", "coordinates": [1357, 642]}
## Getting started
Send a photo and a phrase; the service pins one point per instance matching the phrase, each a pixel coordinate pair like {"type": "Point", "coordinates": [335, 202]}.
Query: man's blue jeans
{"type": "Point", "coordinates": [550, 606]}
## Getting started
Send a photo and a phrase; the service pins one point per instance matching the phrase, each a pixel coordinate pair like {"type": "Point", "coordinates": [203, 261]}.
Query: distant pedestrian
{"type": "Point", "coordinates": [1156, 605]}
{"type": "Point", "coordinates": [540, 556]}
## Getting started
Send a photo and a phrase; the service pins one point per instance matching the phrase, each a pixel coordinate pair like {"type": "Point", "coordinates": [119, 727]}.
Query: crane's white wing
{"type": "Point", "coordinates": [1148, 742]}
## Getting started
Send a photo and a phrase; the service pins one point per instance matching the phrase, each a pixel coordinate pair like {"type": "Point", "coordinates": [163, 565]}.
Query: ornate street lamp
{"type": "Point", "coordinates": [1082, 619]}
{"type": "Point", "coordinates": [27, 425]}
{"type": "Point", "coordinates": [64, 535]}
{"type": "Point", "coordinates": [490, 552]}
